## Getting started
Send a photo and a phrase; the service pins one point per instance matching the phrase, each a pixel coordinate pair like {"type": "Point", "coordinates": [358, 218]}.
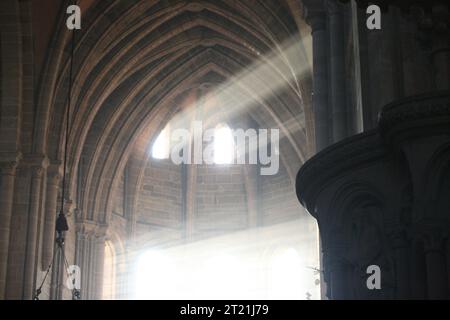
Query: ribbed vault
{"type": "Point", "coordinates": [134, 60]}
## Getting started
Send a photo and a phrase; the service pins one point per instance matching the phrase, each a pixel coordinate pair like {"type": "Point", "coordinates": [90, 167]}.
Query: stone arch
{"type": "Point", "coordinates": [357, 237]}
{"type": "Point", "coordinates": [348, 195]}
{"type": "Point", "coordinates": [99, 58]}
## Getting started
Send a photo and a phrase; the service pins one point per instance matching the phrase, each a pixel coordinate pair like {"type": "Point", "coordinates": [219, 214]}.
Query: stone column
{"type": "Point", "coordinates": [436, 265]}
{"type": "Point", "coordinates": [85, 256]}
{"type": "Point", "coordinates": [337, 70]}
{"type": "Point", "coordinates": [337, 270]}
{"type": "Point", "coordinates": [400, 244]}
{"type": "Point", "coordinates": [80, 260]}
{"type": "Point", "coordinates": [50, 216]}
{"type": "Point", "coordinates": [99, 264]}
{"type": "Point", "coordinates": [32, 232]}
{"type": "Point", "coordinates": [316, 18]}
{"type": "Point", "coordinates": [418, 271]}
{"type": "Point", "coordinates": [339, 278]}
{"type": "Point", "coordinates": [90, 252]}
{"type": "Point", "coordinates": [7, 176]}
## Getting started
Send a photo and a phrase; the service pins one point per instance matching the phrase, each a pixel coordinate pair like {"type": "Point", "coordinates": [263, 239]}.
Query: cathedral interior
{"type": "Point", "coordinates": [224, 149]}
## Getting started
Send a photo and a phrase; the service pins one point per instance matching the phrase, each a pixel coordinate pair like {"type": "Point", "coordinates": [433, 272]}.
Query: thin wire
{"type": "Point", "coordinates": [69, 275]}
{"type": "Point", "coordinates": [69, 100]}
{"type": "Point", "coordinates": [66, 142]}
{"type": "Point", "coordinates": [39, 289]}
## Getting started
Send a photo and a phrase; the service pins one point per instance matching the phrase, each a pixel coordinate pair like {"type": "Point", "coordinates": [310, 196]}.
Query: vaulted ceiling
{"type": "Point", "coordinates": [135, 61]}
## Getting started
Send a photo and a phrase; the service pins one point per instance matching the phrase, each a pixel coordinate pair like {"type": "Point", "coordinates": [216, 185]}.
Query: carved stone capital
{"type": "Point", "coordinates": [8, 168]}
{"type": "Point", "coordinates": [36, 160]}
{"type": "Point", "coordinates": [9, 163]}
{"type": "Point", "coordinates": [315, 14]}
{"type": "Point", "coordinates": [36, 172]}
{"type": "Point", "coordinates": [69, 207]}
{"type": "Point", "coordinates": [54, 173]}
{"type": "Point", "coordinates": [91, 228]}
{"type": "Point", "coordinates": [334, 7]}
{"type": "Point", "coordinates": [429, 113]}
{"type": "Point", "coordinates": [86, 227]}
{"type": "Point", "coordinates": [101, 230]}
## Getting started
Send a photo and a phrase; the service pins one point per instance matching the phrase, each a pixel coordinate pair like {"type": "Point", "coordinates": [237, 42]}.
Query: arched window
{"type": "Point", "coordinates": [223, 145]}
{"type": "Point", "coordinates": [109, 271]}
{"type": "Point", "coordinates": [161, 146]}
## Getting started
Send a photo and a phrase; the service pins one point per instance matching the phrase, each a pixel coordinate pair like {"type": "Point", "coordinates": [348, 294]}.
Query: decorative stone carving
{"type": "Point", "coordinates": [336, 186]}
{"type": "Point", "coordinates": [8, 168]}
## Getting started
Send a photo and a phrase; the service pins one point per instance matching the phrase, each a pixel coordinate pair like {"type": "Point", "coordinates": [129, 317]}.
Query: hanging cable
{"type": "Point", "coordinates": [61, 221]}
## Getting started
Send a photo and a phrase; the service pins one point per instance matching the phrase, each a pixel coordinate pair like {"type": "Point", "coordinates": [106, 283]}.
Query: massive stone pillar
{"type": "Point", "coordinates": [339, 272]}
{"type": "Point", "coordinates": [316, 17]}
{"type": "Point", "coordinates": [371, 191]}
{"type": "Point", "coordinates": [37, 169]}
{"type": "Point", "coordinates": [401, 247]}
{"type": "Point", "coordinates": [337, 70]}
{"type": "Point", "coordinates": [32, 230]}
{"type": "Point", "coordinates": [7, 176]}
{"type": "Point", "coordinates": [434, 241]}
{"type": "Point", "coordinates": [418, 271]}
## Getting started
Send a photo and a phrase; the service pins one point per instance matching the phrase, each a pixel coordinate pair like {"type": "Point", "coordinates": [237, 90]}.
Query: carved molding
{"type": "Point", "coordinates": [327, 181]}
{"type": "Point", "coordinates": [36, 172]}
{"type": "Point", "coordinates": [9, 163]}
{"type": "Point", "coordinates": [54, 173]}
{"type": "Point", "coordinates": [8, 168]}
{"type": "Point", "coordinates": [91, 228]}
{"type": "Point", "coordinates": [415, 111]}
{"type": "Point", "coordinates": [421, 115]}
{"type": "Point", "coordinates": [36, 162]}
{"type": "Point", "coordinates": [336, 161]}
{"type": "Point", "coordinates": [315, 14]}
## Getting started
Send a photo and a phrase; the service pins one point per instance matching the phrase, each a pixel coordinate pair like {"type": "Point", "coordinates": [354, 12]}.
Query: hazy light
{"type": "Point", "coordinates": [109, 273]}
{"type": "Point", "coordinates": [223, 145]}
{"type": "Point", "coordinates": [287, 275]}
{"type": "Point", "coordinates": [160, 148]}
{"type": "Point", "coordinates": [156, 276]}
{"type": "Point", "coordinates": [243, 265]}
{"type": "Point", "coordinates": [275, 72]}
